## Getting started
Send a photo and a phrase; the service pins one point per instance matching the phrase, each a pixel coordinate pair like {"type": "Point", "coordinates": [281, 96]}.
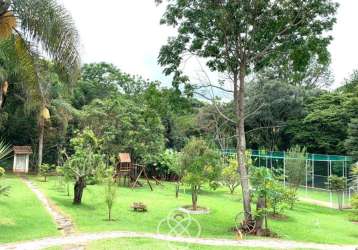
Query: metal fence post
{"type": "Point", "coordinates": [284, 168]}
{"type": "Point", "coordinates": [313, 170]}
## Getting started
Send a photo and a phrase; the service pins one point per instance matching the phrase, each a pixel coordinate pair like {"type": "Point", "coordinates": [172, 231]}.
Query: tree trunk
{"type": "Point", "coordinates": [41, 141]}
{"type": "Point", "coordinates": [68, 189]}
{"type": "Point", "coordinates": [1, 97]}
{"type": "Point", "coordinates": [239, 100]}
{"type": "Point", "coordinates": [109, 214]}
{"type": "Point", "coordinates": [194, 197]}
{"type": "Point", "coordinates": [261, 204]}
{"type": "Point", "coordinates": [78, 190]}
{"type": "Point", "coordinates": [340, 202]}
{"type": "Point", "coordinates": [177, 190]}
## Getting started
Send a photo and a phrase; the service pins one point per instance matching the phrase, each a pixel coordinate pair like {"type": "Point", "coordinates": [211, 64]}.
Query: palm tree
{"type": "Point", "coordinates": [5, 150]}
{"type": "Point", "coordinates": [27, 28]}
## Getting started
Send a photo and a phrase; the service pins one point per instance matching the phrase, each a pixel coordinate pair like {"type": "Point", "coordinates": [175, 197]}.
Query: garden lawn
{"type": "Point", "coordinates": [149, 244]}
{"type": "Point", "coordinates": [305, 223]}
{"type": "Point", "coordinates": [321, 195]}
{"type": "Point", "coordinates": [22, 216]}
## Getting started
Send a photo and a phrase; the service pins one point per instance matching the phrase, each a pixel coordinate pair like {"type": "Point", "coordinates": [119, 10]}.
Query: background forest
{"type": "Point", "coordinates": [131, 114]}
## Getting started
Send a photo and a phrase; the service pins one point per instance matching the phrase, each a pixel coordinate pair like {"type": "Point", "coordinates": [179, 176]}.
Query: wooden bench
{"type": "Point", "coordinates": [139, 207]}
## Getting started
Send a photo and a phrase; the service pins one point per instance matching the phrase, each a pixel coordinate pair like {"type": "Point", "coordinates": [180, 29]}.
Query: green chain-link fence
{"type": "Point", "coordinates": [318, 167]}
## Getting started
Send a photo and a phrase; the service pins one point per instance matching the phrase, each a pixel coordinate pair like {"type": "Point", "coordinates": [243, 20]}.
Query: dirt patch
{"type": "Point", "coordinates": [279, 217]}
{"type": "Point", "coordinates": [199, 210]}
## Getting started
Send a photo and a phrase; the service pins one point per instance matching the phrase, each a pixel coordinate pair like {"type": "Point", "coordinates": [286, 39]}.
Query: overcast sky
{"type": "Point", "coordinates": [128, 34]}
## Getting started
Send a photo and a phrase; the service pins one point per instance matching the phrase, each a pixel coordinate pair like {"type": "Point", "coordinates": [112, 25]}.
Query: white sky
{"type": "Point", "coordinates": [128, 34]}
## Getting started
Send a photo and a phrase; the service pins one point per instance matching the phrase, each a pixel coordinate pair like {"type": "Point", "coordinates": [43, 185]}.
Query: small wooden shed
{"type": "Point", "coordinates": [21, 159]}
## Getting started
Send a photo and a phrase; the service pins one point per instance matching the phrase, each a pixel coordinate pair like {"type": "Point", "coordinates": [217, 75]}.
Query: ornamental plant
{"type": "Point", "coordinates": [200, 164]}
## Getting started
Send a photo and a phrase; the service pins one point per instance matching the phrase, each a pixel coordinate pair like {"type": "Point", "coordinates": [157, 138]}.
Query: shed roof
{"type": "Point", "coordinates": [124, 157]}
{"type": "Point", "coordinates": [22, 150]}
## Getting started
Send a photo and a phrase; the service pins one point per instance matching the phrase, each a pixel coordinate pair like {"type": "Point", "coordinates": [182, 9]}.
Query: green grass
{"type": "Point", "coordinates": [305, 223]}
{"type": "Point", "coordinates": [22, 216]}
{"type": "Point", "coordinates": [320, 195]}
{"type": "Point", "coordinates": [149, 244]}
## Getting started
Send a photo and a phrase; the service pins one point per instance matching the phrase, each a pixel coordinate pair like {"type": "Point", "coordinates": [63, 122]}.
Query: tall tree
{"type": "Point", "coordinates": [238, 37]}
{"type": "Point", "coordinates": [43, 23]}
{"type": "Point", "coordinates": [351, 143]}
{"type": "Point", "coordinates": [40, 22]}
{"type": "Point", "coordinates": [324, 127]}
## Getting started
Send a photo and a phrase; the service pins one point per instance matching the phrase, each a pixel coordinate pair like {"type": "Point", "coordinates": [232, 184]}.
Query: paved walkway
{"type": "Point", "coordinates": [321, 203]}
{"type": "Point", "coordinates": [87, 237]}
{"type": "Point", "coordinates": [64, 223]}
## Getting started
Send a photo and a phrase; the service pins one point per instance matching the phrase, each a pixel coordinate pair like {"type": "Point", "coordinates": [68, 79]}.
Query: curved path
{"type": "Point", "coordinates": [74, 240]}
{"type": "Point", "coordinates": [87, 237]}
{"type": "Point", "coordinates": [64, 223]}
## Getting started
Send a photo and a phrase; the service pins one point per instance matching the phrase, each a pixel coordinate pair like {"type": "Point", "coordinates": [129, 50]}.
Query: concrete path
{"type": "Point", "coordinates": [87, 237]}
{"type": "Point", "coordinates": [64, 223]}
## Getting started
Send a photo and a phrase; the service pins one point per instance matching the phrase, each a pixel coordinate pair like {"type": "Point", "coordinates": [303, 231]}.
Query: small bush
{"type": "Point", "coordinates": [2, 171]}
{"type": "Point", "coordinates": [110, 192]}
{"type": "Point", "coordinates": [3, 188]}
{"type": "Point", "coordinates": [45, 170]}
{"type": "Point", "coordinates": [354, 201]}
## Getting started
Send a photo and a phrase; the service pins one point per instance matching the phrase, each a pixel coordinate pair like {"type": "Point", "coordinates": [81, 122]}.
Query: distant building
{"type": "Point", "coordinates": [21, 159]}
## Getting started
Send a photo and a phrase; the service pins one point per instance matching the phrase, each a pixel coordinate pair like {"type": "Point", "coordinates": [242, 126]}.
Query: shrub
{"type": "Point", "coordinates": [354, 201]}
{"type": "Point", "coordinates": [268, 191]}
{"type": "Point", "coordinates": [2, 171]}
{"type": "Point", "coordinates": [45, 170]}
{"type": "Point", "coordinates": [230, 176]}
{"type": "Point", "coordinates": [110, 192]}
{"type": "Point", "coordinates": [291, 197]}
{"type": "Point", "coordinates": [200, 165]}
{"type": "Point", "coordinates": [337, 184]}
{"type": "Point", "coordinates": [295, 166]}
{"type": "Point", "coordinates": [3, 188]}
{"type": "Point", "coordinates": [84, 163]}
{"type": "Point", "coordinates": [171, 159]}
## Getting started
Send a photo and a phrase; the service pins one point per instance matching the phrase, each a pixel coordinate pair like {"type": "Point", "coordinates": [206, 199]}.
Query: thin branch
{"type": "Point", "coordinates": [217, 108]}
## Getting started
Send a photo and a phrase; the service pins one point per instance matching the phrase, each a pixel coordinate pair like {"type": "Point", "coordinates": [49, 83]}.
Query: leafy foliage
{"type": "Point", "coordinates": [200, 164]}
{"type": "Point", "coordinates": [295, 166]}
{"type": "Point", "coordinates": [110, 192]}
{"type": "Point", "coordinates": [128, 128]}
{"type": "Point", "coordinates": [230, 175]}
{"type": "Point", "coordinates": [324, 128]}
{"type": "Point", "coordinates": [45, 170]}
{"type": "Point", "coordinates": [337, 184]}
{"type": "Point", "coordinates": [4, 189]}
{"type": "Point", "coordinates": [268, 188]}
{"type": "Point", "coordinates": [85, 161]}
{"type": "Point", "coordinates": [5, 150]}
{"type": "Point", "coordinates": [354, 201]}
{"type": "Point", "coordinates": [238, 37]}
{"type": "Point", "coordinates": [351, 143]}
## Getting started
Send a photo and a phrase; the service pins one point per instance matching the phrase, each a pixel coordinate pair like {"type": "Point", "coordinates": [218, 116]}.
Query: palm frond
{"type": "Point", "coordinates": [4, 190]}
{"type": "Point", "coordinates": [17, 59]}
{"type": "Point", "coordinates": [26, 59]}
{"type": "Point", "coordinates": [48, 23]}
{"type": "Point", "coordinates": [7, 24]}
{"type": "Point", "coordinates": [5, 149]}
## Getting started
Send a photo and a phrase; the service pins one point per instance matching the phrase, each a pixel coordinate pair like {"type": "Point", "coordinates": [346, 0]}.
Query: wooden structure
{"type": "Point", "coordinates": [21, 159]}
{"type": "Point", "coordinates": [139, 207]}
{"type": "Point", "coordinates": [128, 170]}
